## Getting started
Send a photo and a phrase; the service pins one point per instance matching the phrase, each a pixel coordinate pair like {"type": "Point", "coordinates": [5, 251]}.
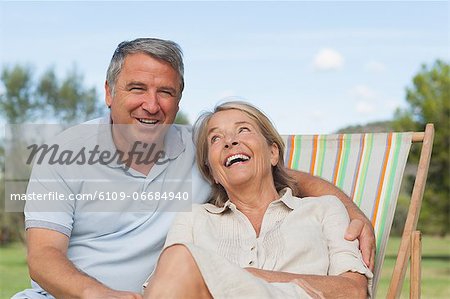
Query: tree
{"type": "Point", "coordinates": [25, 99]}
{"type": "Point", "coordinates": [429, 102]}
{"type": "Point", "coordinates": [17, 103]}
{"type": "Point", "coordinates": [181, 118]}
{"type": "Point", "coordinates": [69, 100]}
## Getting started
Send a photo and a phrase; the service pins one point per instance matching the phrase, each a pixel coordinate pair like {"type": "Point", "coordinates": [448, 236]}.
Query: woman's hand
{"type": "Point", "coordinates": [345, 285]}
{"type": "Point", "coordinates": [269, 276]}
{"type": "Point", "coordinates": [263, 274]}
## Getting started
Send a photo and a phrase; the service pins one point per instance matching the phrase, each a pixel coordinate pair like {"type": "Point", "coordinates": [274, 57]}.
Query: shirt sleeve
{"type": "Point", "coordinates": [344, 255]}
{"type": "Point", "coordinates": [181, 230]}
{"type": "Point", "coordinates": [46, 182]}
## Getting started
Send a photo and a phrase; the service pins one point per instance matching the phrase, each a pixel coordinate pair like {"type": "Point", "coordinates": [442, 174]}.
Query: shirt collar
{"type": "Point", "coordinates": [286, 198]}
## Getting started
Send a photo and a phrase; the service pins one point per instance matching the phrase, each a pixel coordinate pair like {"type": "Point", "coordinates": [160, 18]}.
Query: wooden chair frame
{"type": "Point", "coordinates": [410, 245]}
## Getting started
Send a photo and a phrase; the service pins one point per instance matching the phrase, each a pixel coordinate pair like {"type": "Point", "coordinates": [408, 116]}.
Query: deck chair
{"type": "Point", "coordinates": [369, 168]}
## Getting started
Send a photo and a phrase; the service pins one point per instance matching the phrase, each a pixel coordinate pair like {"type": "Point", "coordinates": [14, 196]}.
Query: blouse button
{"type": "Point", "coordinates": [253, 248]}
{"type": "Point", "coordinates": [250, 263]}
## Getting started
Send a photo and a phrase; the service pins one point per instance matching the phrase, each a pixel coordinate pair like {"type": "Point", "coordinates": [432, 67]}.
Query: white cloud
{"type": "Point", "coordinates": [365, 98]}
{"type": "Point", "coordinates": [328, 59]}
{"type": "Point", "coordinates": [365, 107]}
{"type": "Point", "coordinates": [363, 92]}
{"type": "Point", "coordinates": [317, 114]}
{"type": "Point", "coordinates": [375, 67]}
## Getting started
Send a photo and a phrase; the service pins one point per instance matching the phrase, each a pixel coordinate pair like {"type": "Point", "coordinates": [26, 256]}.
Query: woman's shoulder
{"type": "Point", "coordinates": [325, 203]}
{"type": "Point", "coordinates": [205, 208]}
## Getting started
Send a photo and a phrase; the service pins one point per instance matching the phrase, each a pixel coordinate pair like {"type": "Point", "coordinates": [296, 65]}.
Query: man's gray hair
{"type": "Point", "coordinates": [165, 50]}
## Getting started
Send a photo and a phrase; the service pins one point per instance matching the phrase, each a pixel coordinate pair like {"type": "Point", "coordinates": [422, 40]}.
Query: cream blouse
{"type": "Point", "coordinates": [303, 236]}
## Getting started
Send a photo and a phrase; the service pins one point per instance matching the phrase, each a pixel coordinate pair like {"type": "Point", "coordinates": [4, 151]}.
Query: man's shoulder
{"type": "Point", "coordinates": [80, 133]}
{"type": "Point", "coordinates": [104, 120]}
{"type": "Point", "coordinates": [180, 139]}
{"type": "Point", "coordinates": [185, 130]}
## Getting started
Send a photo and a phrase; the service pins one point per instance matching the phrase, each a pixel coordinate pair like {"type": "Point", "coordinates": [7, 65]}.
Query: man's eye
{"type": "Point", "coordinates": [166, 93]}
{"type": "Point", "coordinates": [136, 89]}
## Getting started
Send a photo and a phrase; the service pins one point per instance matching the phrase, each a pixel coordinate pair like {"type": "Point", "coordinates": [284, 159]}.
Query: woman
{"type": "Point", "coordinates": [255, 240]}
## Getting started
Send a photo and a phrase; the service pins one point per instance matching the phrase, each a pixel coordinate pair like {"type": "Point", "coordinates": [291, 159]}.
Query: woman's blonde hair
{"type": "Point", "coordinates": [218, 194]}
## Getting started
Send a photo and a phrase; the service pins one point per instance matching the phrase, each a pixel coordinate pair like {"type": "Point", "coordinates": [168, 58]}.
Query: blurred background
{"type": "Point", "coordinates": [313, 67]}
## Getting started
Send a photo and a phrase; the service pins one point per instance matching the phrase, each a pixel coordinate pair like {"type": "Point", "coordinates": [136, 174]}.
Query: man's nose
{"type": "Point", "coordinates": [151, 103]}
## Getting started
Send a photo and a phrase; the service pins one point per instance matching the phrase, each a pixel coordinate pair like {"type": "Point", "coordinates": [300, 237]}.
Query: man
{"type": "Point", "coordinates": [77, 252]}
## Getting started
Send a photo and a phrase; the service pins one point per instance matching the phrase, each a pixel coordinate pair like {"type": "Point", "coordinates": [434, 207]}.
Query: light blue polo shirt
{"type": "Point", "coordinates": [115, 241]}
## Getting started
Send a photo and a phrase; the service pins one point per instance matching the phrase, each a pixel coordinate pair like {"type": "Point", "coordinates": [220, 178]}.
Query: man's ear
{"type": "Point", "coordinates": [274, 154]}
{"type": "Point", "coordinates": [108, 95]}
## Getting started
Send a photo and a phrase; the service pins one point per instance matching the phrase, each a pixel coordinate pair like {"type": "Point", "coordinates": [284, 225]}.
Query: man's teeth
{"type": "Point", "coordinates": [147, 121]}
{"type": "Point", "coordinates": [236, 158]}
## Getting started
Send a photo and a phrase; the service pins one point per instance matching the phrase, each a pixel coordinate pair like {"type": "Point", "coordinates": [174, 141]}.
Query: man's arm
{"type": "Point", "coordinates": [52, 270]}
{"type": "Point", "coordinates": [360, 227]}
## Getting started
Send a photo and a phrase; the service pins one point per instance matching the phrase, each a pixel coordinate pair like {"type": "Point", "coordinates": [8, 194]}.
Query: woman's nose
{"type": "Point", "coordinates": [232, 143]}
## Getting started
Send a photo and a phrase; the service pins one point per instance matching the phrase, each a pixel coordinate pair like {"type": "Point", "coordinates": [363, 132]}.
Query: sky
{"type": "Point", "coordinates": [312, 67]}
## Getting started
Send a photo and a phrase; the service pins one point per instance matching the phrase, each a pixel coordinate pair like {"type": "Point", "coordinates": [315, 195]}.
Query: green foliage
{"type": "Point", "coordinates": [69, 100]}
{"type": "Point", "coordinates": [373, 127]}
{"type": "Point", "coordinates": [429, 102]}
{"type": "Point", "coordinates": [25, 99]}
{"type": "Point", "coordinates": [17, 103]}
{"type": "Point", "coordinates": [181, 118]}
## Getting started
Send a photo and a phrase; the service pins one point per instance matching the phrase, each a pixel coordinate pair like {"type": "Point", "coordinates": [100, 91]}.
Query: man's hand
{"type": "Point", "coordinates": [363, 231]}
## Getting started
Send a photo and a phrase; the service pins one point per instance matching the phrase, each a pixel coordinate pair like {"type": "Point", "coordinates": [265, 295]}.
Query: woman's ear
{"type": "Point", "coordinates": [274, 154]}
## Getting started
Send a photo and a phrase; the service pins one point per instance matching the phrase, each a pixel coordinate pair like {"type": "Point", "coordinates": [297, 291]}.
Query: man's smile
{"type": "Point", "coordinates": [148, 121]}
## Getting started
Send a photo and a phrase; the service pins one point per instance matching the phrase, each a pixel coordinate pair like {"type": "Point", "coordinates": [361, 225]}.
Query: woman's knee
{"type": "Point", "coordinates": [177, 256]}
{"type": "Point", "coordinates": [177, 251]}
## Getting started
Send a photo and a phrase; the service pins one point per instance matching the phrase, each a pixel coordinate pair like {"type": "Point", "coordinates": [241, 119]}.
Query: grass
{"type": "Point", "coordinates": [13, 270]}
{"type": "Point", "coordinates": [435, 269]}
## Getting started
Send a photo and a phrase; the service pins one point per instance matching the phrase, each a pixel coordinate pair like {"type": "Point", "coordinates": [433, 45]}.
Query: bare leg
{"type": "Point", "coordinates": [177, 276]}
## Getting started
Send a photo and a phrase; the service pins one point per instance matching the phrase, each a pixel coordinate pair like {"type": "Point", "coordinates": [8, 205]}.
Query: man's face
{"type": "Point", "coordinates": [146, 95]}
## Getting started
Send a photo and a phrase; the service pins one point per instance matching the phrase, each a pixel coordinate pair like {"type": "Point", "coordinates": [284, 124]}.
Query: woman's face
{"type": "Point", "coordinates": [238, 153]}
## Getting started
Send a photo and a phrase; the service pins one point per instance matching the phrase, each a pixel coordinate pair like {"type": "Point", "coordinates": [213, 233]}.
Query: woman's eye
{"type": "Point", "coordinates": [214, 139]}
{"type": "Point", "coordinates": [244, 129]}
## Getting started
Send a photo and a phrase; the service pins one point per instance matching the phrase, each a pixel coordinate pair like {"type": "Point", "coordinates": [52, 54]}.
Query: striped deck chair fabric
{"type": "Point", "coordinates": [367, 167]}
